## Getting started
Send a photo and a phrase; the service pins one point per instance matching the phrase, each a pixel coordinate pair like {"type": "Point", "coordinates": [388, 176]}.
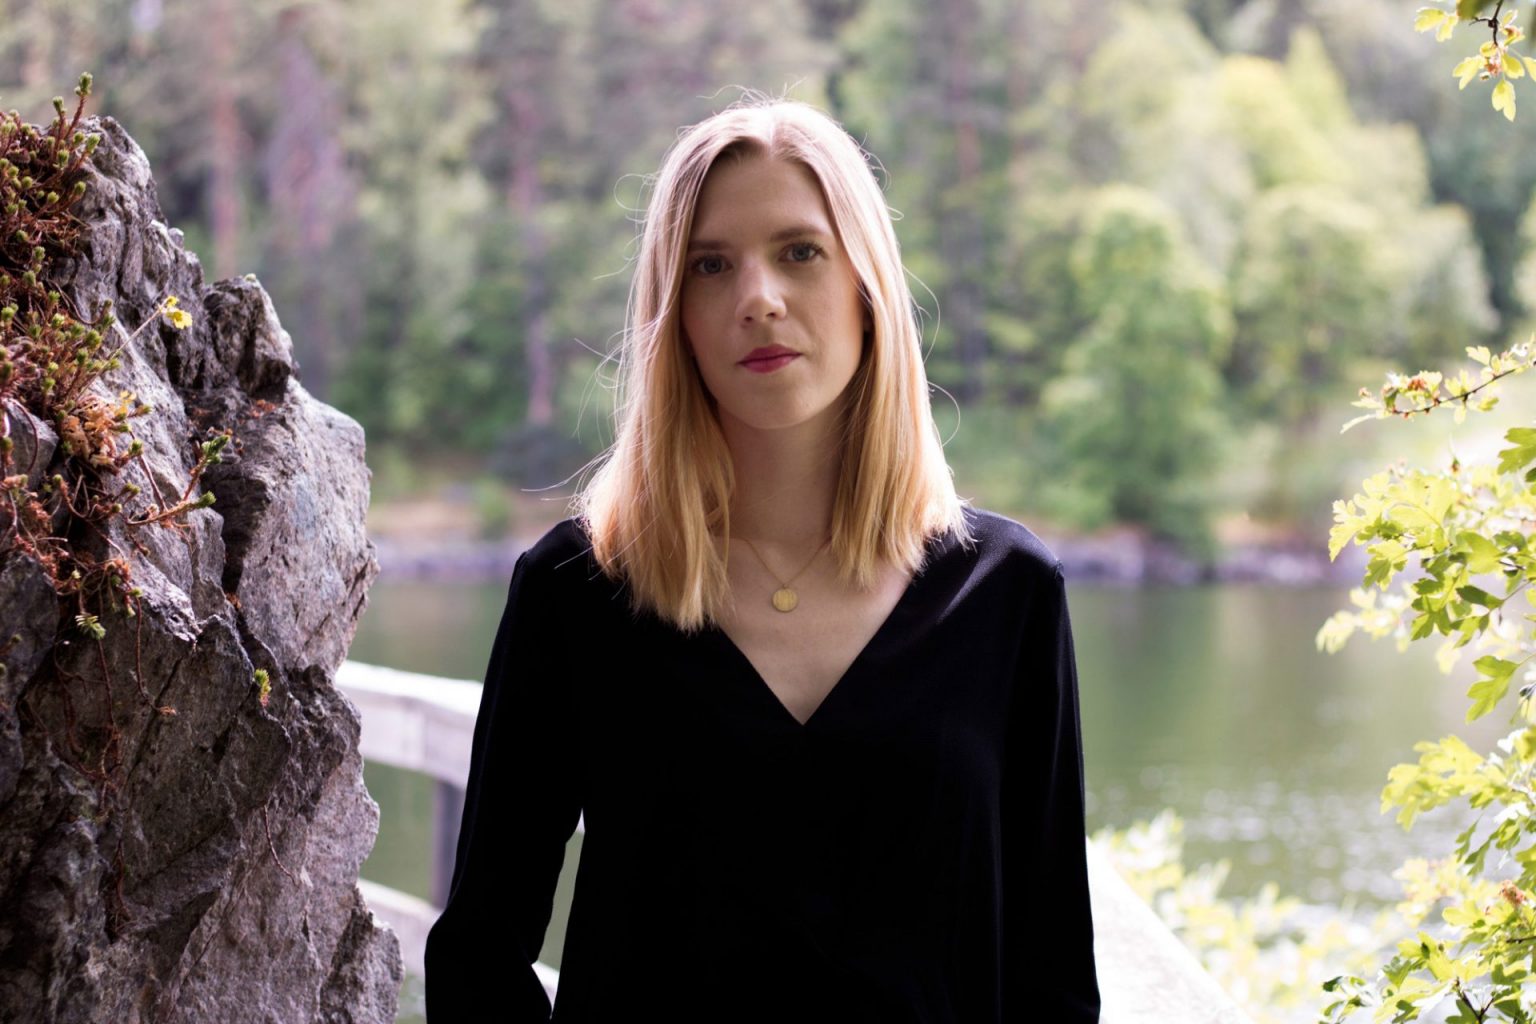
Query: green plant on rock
{"type": "Point", "coordinates": [51, 355]}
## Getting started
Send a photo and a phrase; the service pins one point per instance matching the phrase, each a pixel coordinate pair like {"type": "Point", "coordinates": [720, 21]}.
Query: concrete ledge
{"type": "Point", "coordinates": [1146, 975]}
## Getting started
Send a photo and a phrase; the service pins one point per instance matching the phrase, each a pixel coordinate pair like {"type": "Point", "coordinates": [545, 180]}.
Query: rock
{"type": "Point", "coordinates": [202, 865]}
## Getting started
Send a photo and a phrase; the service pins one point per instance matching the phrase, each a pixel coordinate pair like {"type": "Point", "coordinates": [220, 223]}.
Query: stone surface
{"type": "Point", "coordinates": [211, 875]}
{"type": "Point", "coordinates": [1146, 976]}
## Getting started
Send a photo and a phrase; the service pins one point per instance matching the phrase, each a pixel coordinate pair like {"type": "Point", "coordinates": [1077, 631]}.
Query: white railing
{"type": "Point", "coordinates": [426, 724]}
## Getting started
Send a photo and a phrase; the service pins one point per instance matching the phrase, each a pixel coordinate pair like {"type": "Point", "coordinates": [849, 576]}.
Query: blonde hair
{"type": "Point", "coordinates": [652, 505]}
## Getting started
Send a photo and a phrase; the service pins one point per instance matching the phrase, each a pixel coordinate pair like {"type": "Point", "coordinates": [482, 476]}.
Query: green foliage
{"type": "Point", "coordinates": [1307, 290]}
{"type": "Point", "coordinates": [1269, 952]}
{"type": "Point", "coordinates": [440, 197]}
{"type": "Point", "coordinates": [493, 510]}
{"type": "Point", "coordinates": [1317, 88]}
{"type": "Point", "coordinates": [1524, 278]}
{"type": "Point", "coordinates": [1141, 381]}
{"type": "Point", "coordinates": [418, 205]}
{"type": "Point", "coordinates": [1467, 528]}
{"type": "Point", "coordinates": [1493, 60]}
{"type": "Point", "coordinates": [1437, 287]}
{"type": "Point", "coordinates": [1282, 141]}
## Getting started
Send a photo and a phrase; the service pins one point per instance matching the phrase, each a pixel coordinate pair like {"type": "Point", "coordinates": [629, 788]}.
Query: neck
{"type": "Point", "coordinates": [786, 483]}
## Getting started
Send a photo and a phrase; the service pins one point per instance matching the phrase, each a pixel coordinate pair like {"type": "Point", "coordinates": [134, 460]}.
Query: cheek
{"type": "Point", "coordinates": [691, 319]}
{"type": "Point", "coordinates": [685, 330]}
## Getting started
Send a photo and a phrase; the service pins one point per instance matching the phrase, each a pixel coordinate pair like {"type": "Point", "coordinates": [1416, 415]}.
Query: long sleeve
{"type": "Point", "coordinates": [522, 802]}
{"type": "Point", "coordinates": [1048, 970]}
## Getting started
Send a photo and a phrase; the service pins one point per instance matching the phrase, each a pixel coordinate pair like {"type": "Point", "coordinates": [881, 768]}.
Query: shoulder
{"type": "Point", "coordinates": [1009, 544]}
{"type": "Point", "coordinates": [563, 545]}
{"type": "Point", "coordinates": [562, 565]}
{"type": "Point", "coordinates": [561, 560]}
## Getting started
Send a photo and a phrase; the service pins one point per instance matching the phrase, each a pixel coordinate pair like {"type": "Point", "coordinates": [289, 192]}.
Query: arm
{"type": "Point", "coordinates": [518, 814]}
{"type": "Point", "coordinates": [1048, 965]}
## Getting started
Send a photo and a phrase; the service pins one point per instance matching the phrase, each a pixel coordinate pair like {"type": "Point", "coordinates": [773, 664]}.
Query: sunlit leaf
{"type": "Point", "coordinates": [1428, 18]}
{"type": "Point", "coordinates": [1482, 554]}
{"type": "Point", "coordinates": [1488, 691]}
{"type": "Point", "coordinates": [1504, 99]}
{"type": "Point", "coordinates": [1522, 452]}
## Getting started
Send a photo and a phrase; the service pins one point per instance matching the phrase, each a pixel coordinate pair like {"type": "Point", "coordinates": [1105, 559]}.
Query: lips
{"type": "Point", "coordinates": [769, 352]}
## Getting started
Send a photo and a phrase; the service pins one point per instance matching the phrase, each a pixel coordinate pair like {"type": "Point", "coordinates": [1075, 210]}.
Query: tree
{"type": "Point", "coordinates": [414, 107]}
{"type": "Point", "coordinates": [1141, 381]}
{"type": "Point", "coordinates": [1307, 292]}
{"type": "Point", "coordinates": [930, 89]}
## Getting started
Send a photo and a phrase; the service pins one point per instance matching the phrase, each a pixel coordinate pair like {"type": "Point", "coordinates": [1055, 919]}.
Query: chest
{"type": "Point", "coordinates": [802, 655]}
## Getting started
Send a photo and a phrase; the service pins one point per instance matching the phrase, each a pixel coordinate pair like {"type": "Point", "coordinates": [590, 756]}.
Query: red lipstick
{"type": "Point", "coordinates": [768, 358]}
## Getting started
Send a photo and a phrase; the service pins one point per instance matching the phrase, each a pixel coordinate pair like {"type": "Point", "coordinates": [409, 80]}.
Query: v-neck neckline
{"type": "Point", "coordinates": [933, 548]}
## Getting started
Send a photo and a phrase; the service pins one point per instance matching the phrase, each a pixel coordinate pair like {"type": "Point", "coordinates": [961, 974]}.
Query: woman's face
{"type": "Point", "coordinates": [765, 271]}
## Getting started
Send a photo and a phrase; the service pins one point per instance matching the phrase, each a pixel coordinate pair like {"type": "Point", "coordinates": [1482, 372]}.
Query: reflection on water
{"type": "Point", "coordinates": [1216, 702]}
{"type": "Point", "coordinates": [1211, 700]}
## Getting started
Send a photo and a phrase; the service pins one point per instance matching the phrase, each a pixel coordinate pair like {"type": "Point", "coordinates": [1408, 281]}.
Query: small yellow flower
{"type": "Point", "coordinates": [179, 318]}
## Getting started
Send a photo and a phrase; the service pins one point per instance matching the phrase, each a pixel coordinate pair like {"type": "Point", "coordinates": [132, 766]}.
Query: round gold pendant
{"type": "Point", "coordinates": [785, 599]}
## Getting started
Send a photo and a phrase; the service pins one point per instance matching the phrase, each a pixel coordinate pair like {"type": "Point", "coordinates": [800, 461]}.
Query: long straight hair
{"type": "Point", "coordinates": [655, 504]}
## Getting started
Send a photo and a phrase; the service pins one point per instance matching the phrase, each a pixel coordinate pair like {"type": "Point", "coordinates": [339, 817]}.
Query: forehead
{"type": "Point", "coordinates": [758, 194]}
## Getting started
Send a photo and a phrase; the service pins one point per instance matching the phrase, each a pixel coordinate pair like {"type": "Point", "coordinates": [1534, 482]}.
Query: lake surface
{"type": "Point", "coordinates": [1213, 701]}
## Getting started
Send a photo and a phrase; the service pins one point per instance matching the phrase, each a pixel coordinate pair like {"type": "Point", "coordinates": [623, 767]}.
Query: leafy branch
{"type": "Point", "coordinates": [1427, 390]}
{"type": "Point", "coordinates": [1493, 59]}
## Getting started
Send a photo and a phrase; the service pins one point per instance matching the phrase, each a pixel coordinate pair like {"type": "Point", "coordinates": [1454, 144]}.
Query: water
{"type": "Point", "coordinates": [1213, 701]}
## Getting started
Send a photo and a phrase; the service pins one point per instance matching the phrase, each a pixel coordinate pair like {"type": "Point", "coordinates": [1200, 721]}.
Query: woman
{"type": "Point", "coordinates": [819, 714]}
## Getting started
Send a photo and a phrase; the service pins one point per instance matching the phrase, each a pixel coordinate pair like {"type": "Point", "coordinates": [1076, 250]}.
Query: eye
{"type": "Point", "coordinates": [707, 265]}
{"type": "Point", "coordinates": [803, 252]}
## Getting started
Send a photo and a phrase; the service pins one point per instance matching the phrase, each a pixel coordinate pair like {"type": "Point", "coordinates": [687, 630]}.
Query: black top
{"type": "Point", "coordinates": [913, 853]}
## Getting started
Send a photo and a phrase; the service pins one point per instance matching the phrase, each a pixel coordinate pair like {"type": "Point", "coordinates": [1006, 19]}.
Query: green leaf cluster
{"type": "Point", "coordinates": [1493, 59]}
{"type": "Point", "coordinates": [1451, 555]}
{"type": "Point", "coordinates": [1269, 952]}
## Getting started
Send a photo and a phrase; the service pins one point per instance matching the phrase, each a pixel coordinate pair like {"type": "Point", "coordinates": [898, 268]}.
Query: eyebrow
{"type": "Point", "coordinates": [781, 235]}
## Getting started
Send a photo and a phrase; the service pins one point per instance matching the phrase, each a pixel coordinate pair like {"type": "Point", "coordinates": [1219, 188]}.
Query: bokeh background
{"type": "Point", "coordinates": [1159, 247]}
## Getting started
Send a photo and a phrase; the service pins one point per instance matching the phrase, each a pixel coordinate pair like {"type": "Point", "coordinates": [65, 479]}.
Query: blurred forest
{"type": "Point", "coordinates": [1159, 245]}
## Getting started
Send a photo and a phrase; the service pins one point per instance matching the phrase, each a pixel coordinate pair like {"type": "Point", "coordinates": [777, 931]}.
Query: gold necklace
{"type": "Point", "coordinates": [785, 599]}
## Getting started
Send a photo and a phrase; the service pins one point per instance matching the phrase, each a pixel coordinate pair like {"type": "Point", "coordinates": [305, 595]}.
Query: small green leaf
{"type": "Point", "coordinates": [1482, 554]}
{"type": "Point", "coordinates": [1477, 595]}
{"type": "Point", "coordinates": [1523, 452]}
{"type": "Point", "coordinates": [1489, 690]}
{"type": "Point", "coordinates": [1428, 18]}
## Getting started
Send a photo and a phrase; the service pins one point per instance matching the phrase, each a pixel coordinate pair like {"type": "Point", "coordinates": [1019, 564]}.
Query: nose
{"type": "Point", "coordinates": [758, 295]}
